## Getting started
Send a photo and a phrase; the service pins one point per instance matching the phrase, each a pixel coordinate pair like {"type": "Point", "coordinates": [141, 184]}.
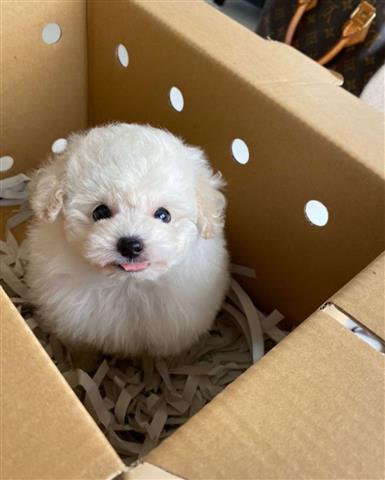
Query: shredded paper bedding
{"type": "Point", "coordinates": [139, 402]}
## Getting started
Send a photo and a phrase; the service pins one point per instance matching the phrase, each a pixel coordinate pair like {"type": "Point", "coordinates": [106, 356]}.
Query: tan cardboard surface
{"type": "Point", "coordinates": [45, 431]}
{"type": "Point", "coordinates": [311, 408]}
{"type": "Point", "coordinates": [146, 471]}
{"type": "Point", "coordinates": [363, 297]}
{"type": "Point", "coordinates": [43, 92]}
{"type": "Point", "coordinates": [308, 139]}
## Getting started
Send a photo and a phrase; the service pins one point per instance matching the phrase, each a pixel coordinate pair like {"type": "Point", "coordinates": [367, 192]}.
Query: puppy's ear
{"type": "Point", "coordinates": [47, 190]}
{"type": "Point", "coordinates": [211, 202]}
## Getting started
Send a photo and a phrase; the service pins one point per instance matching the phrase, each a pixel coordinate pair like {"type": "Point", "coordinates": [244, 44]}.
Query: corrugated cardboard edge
{"type": "Point", "coordinates": [363, 297]}
{"type": "Point", "coordinates": [147, 471]}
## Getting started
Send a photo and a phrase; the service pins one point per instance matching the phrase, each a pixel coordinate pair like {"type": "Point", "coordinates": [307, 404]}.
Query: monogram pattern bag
{"type": "Point", "coordinates": [347, 36]}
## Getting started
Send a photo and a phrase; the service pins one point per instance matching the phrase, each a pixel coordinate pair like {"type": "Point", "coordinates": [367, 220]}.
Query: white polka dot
{"type": "Point", "coordinates": [6, 163]}
{"type": "Point", "coordinates": [316, 213]}
{"type": "Point", "coordinates": [59, 145]}
{"type": "Point", "coordinates": [122, 55]}
{"type": "Point", "coordinates": [176, 99]}
{"type": "Point", "coordinates": [240, 151]}
{"type": "Point", "coordinates": [51, 33]}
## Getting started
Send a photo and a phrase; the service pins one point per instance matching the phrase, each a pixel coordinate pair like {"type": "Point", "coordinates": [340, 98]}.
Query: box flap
{"type": "Point", "coordinates": [313, 407]}
{"type": "Point", "coordinates": [46, 433]}
{"type": "Point", "coordinates": [238, 49]}
{"type": "Point", "coordinates": [363, 297]}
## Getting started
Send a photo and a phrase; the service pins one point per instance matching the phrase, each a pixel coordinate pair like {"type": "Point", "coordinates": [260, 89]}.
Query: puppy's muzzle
{"type": "Point", "coordinates": [130, 247]}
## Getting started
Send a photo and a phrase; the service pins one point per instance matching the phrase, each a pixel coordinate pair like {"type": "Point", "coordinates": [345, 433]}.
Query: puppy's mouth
{"type": "Point", "coordinates": [133, 266]}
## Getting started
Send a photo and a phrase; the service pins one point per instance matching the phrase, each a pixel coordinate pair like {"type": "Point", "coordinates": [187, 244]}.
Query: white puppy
{"type": "Point", "coordinates": [127, 252]}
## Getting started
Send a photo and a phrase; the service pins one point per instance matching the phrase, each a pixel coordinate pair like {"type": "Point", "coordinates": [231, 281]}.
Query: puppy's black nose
{"type": "Point", "coordinates": [130, 247]}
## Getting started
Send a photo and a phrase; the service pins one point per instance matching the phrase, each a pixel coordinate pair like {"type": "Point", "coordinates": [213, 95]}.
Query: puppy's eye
{"type": "Point", "coordinates": [163, 215]}
{"type": "Point", "coordinates": [101, 212]}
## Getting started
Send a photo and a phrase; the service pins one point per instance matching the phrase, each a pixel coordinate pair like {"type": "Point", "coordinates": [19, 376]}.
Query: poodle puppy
{"type": "Point", "coordinates": [127, 250]}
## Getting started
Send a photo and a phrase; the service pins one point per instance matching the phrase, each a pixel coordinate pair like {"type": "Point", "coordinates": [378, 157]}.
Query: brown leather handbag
{"type": "Point", "coordinates": [347, 36]}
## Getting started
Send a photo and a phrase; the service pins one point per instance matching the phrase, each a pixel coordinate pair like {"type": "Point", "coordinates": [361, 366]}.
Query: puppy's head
{"type": "Point", "coordinates": [133, 199]}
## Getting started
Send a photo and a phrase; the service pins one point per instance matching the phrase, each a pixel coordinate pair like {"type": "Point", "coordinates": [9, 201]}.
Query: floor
{"type": "Point", "coordinates": [240, 10]}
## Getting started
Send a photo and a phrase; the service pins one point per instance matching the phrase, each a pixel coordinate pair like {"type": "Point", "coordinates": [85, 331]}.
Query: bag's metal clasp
{"type": "Point", "coordinates": [357, 27]}
{"type": "Point", "coordinates": [354, 31]}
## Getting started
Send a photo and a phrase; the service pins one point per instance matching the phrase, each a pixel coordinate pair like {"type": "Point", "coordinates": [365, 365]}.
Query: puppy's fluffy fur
{"type": "Point", "coordinates": [76, 283]}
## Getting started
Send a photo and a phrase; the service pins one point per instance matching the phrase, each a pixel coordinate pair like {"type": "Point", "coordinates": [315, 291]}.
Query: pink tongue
{"type": "Point", "coordinates": [134, 267]}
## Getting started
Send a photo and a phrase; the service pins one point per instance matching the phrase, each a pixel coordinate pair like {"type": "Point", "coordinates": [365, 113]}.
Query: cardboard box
{"type": "Point", "coordinates": [313, 407]}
